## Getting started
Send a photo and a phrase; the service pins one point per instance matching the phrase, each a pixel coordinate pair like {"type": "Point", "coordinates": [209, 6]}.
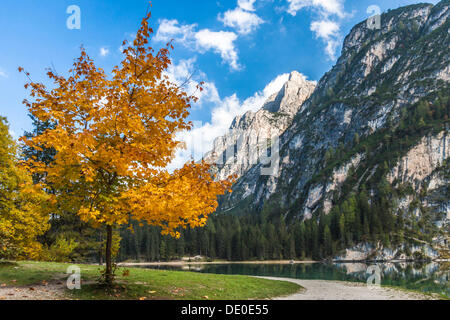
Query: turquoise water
{"type": "Point", "coordinates": [426, 277]}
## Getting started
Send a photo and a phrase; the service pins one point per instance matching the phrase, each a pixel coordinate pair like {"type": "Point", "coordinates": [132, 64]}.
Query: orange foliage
{"type": "Point", "coordinates": [114, 138]}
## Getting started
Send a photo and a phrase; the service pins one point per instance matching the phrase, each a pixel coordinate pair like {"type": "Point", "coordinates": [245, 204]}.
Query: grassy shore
{"type": "Point", "coordinates": [136, 283]}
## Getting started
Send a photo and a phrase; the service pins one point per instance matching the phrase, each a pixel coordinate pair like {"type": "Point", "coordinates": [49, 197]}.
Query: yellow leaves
{"type": "Point", "coordinates": [24, 206]}
{"type": "Point", "coordinates": [185, 197]}
{"type": "Point", "coordinates": [89, 214]}
{"type": "Point", "coordinates": [114, 135]}
{"type": "Point", "coordinates": [175, 234]}
{"type": "Point", "coordinates": [23, 222]}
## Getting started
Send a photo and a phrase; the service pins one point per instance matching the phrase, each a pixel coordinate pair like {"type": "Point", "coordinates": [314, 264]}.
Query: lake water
{"type": "Point", "coordinates": [426, 277]}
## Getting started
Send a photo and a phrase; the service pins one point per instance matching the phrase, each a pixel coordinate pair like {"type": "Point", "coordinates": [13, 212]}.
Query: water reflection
{"type": "Point", "coordinates": [426, 277]}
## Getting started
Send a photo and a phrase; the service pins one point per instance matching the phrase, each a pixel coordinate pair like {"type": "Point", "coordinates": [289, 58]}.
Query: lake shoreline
{"type": "Point", "coordinates": [283, 262]}
{"type": "Point", "coordinates": [185, 263]}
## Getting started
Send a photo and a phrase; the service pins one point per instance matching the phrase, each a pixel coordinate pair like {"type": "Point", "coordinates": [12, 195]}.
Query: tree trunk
{"type": "Point", "coordinates": [100, 259]}
{"type": "Point", "coordinates": [108, 271]}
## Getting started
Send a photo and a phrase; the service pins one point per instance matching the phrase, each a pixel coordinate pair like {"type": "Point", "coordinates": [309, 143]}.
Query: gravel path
{"type": "Point", "coordinates": [53, 291]}
{"type": "Point", "coordinates": [341, 290]}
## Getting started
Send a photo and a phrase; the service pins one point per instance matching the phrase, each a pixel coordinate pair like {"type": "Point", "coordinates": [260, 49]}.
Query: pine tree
{"type": "Point", "coordinates": [327, 241]}
{"type": "Point", "coordinates": [292, 253]}
{"type": "Point", "coordinates": [163, 250]}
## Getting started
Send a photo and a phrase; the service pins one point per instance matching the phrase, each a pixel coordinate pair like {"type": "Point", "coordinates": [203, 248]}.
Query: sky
{"type": "Point", "coordinates": [242, 49]}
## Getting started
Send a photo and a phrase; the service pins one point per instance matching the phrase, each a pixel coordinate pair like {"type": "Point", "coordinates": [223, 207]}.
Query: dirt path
{"type": "Point", "coordinates": [341, 290]}
{"type": "Point", "coordinates": [51, 291]}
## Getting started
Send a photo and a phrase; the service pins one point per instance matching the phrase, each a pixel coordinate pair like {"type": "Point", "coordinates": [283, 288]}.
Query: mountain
{"type": "Point", "coordinates": [235, 152]}
{"type": "Point", "coordinates": [365, 152]}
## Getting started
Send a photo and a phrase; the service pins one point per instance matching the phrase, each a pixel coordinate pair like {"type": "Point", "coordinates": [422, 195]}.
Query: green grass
{"type": "Point", "coordinates": [145, 283]}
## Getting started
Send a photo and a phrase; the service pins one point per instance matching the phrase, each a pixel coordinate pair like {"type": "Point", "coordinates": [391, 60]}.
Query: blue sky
{"type": "Point", "coordinates": [242, 49]}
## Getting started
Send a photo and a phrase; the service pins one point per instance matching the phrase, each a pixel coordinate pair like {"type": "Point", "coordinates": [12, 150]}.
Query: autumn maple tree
{"type": "Point", "coordinates": [114, 137]}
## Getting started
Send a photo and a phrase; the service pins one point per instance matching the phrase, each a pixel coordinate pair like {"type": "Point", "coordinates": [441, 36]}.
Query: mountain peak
{"type": "Point", "coordinates": [251, 128]}
{"type": "Point", "coordinates": [296, 89]}
{"type": "Point", "coordinates": [296, 76]}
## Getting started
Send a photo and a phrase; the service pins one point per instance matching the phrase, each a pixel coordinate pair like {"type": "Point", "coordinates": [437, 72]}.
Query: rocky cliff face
{"type": "Point", "coordinates": [246, 141]}
{"type": "Point", "coordinates": [377, 252]}
{"type": "Point", "coordinates": [420, 162]}
{"type": "Point", "coordinates": [372, 118]}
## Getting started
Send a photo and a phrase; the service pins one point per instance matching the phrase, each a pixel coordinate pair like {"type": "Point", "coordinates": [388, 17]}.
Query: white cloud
{"type": "Point", "coordinates": [328, 31]}
{"type": "Point", "coordinates": [13, 134]}
{"type": "Point", "coordinates": [220, 42]}
{"type": "Point", "coordinates": [242, 18]}
{"type": "Point", "coordinates": [327, 26]}
{"type": "Point", "coordinates": [187, 77]}
{"type": "Point", "coordinates": [201, 138]}
{"type": "Point", "coordinates": [247, 4]}
{"type": "Point", "coordinates": [3, 73]}
{"type": "Point", "coordinates": [331, 48]}
{"type": "Point", "coordinates": [244, 22]}
{"type": "Point", "coordinates": [104, 51]}
{"type": "Point", "coordinates": [332, 7]}
{"type": "Point", "coordinates": [325, 7]}
{"type": "Point", "coordinates": [171, 29]}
